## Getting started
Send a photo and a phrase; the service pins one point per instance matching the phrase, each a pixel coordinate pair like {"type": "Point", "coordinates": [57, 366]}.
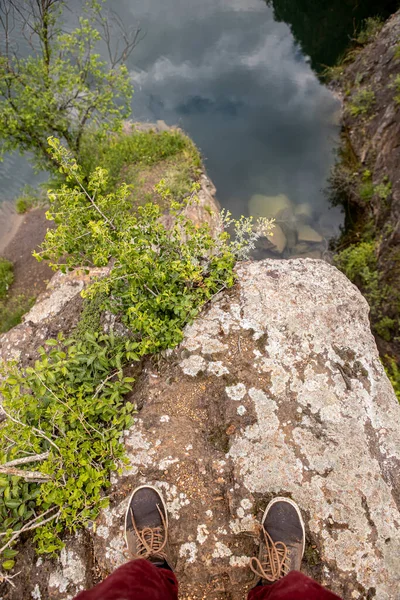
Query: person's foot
{"type": "Point", "coordinates": [146, 526]}
{"type": "Point", "coordinates": [282, 541]}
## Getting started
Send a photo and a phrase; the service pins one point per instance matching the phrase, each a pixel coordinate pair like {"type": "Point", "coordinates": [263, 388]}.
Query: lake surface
{"type": "Point", "coordinates": [238, 79]}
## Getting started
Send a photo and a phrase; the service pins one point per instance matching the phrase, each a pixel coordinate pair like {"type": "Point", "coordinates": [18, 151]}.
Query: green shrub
{"type": "Point", "coordinates": [90, 318]}
{"type": "Point", "coordinates": [361, 102]}
{"type": "Point", "coordinates": [395, 84]}
{"type": "Point", "coordinates": [383, 190]}
{"type": "Point", "coordinates": [366, 188]}
{"type": "Point", "coordinates": [385, 327]}
{"type": "Point", "coordinates": [12, 311]}
{"type": "Point", "coordinates": [70, 405]}
{"type": "Point", "coordinates": [358, 260]}
{"type": "Point", "coordinates": [393, 372]}
{"type": "Point", "coordinates": [6, 276]}
{"type": "Point", "coordinates": [370, 29]}
{"type": "Point", "coordinates": [359, 263]}
{"type": "Point", "coordinates": [159, 278]}
{"type": "Point", "coordinates": [28, 200]}
{"type": "Point", "coordinates": [144, 148]}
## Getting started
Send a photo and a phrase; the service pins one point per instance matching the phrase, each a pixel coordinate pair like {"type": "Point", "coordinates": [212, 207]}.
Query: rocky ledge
{"type": "Point", "coordinates": [277, 388]}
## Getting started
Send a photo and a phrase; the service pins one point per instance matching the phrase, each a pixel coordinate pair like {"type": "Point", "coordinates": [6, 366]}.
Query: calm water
{"type": "Point", "coordinates": [232, 74]}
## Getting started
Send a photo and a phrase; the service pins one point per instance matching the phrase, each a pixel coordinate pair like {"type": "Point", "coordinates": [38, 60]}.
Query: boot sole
{"type": "Point", "coordinates": [141, 487]}
{"type": "Point", "coordinates": [297, 509]}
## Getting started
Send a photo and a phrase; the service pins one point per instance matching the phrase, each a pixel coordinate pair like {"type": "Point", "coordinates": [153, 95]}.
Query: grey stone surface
{"type": "Point", "coordinates": [277, 388]}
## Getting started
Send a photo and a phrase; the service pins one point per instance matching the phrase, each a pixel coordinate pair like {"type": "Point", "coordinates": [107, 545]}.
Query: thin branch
{"type": "Point", "coordinates": [94, 204]}
{"type": "Point", "coordinates": [33, 476]}
{"type": "Point", "coordinates": [30, 526]}
{"type": "Point", "coordinates": [149, 290]}
{"type": "Point", "coordinates": [35, 429]}
{"type": "Point", "coordinates": [26, 460]}
{"type": "Point", "coordinates": [8, 578]}
{"type": "Point", "coordinates": [103, 383]}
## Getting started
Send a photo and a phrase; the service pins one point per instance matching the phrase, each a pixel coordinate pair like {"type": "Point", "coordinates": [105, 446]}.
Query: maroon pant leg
{"type": "Point", "coordinates": [295, 586]}
{"type": "Point", "coordinates": [136, 580]}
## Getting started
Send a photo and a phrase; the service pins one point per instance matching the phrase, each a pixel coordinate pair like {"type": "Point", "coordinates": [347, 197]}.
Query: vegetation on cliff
{"type": "Point", "coordinates": [365, 179]}
{"type": "Point", "coordinates": [66, 413]}
{"type": "Point", "coordinates": [322, 28]}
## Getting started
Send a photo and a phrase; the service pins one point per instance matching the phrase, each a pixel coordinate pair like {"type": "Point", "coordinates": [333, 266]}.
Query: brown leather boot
{"type": "Point", "coordinates": [282, 541]}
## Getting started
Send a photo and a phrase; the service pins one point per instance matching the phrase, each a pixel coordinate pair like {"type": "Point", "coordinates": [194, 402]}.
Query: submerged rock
{"type": "Point", "coordinates": [268, 206]}
{"type": "Point", "coordinates": [303, 212]}
{"type": "Point", "coordinates": [277, 239]}
{"type": "Point", "coordinates": [305, 233]}
{"type": "Point", "coordinates": [277, 388]}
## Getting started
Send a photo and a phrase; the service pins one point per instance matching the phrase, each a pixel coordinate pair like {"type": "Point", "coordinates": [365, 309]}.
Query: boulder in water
{"type": "Point", "coordinates": [268, 206]}
{"type": "Point", "coordinates": [305, 233]}
{"type": "Point", "coordinates": [277, 239]}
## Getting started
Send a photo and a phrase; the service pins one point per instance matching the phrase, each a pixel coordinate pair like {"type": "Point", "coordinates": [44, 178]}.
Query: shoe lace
{"type": "Point", "coordinates": [151, 541]}
{"type": "Point", "coordinates": [275, 562]}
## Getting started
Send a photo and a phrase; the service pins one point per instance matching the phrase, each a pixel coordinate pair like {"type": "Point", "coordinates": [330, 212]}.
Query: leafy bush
{"type": "Point", "coordinates": [359, 263]}
{"type": "Point", "coordinates": [68, 411]}
{"type": "Point", "coordinates": [159, 278]}
{"type": "Point", "coordinates": [12, 311]}
{"type": "Point", "coordinates": [361, 102]}
{"type": "Point", "coordinates": [383, 190]}
{"type": "Point", "coordinates": [366, 188]}
{"type": "Point", "coordinates": [28, 199]}
{"type": "Point", "coordinates": [90, 318]}
{"type": "Point", "coordinates": [143, 148]}
{"type": "Point", "coordinates": [70, 407]}
{"type": "Point", "coordinates": [6, 276]}
{"type": "Point", "coordinates": [370, 29]}
{"type": "Point", "coordinates": [385, 327]}
{"type": "Point", "coordinates": [395, 84]}
{"type": "Point", "coordinates": [358, 260]}
{"type": "Point", "coordinates": [393, 372]}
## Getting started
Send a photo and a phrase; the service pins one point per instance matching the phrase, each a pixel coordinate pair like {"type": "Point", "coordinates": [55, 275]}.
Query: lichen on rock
{"type": "Point", "coordinates": [291, 346]}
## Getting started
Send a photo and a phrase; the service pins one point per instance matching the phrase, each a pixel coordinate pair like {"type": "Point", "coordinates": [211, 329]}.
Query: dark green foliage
{"type": "Point", "coordinates": [366, 188]}
{"type": "Point", "coordinates": [90, 319]}
{"type": "Point", "coordinates": [369, 30]}
{"type": "Point", "coordinates": [393, 372]}
{"type": "Point", "coordinates": [359, 262]}
{"type": "Point", "coordinates": [361, 102]}
{"type": "Point", "coordinates": [324, 28]}
{"type": "Point", "coordinates": [70, 404]}
{"type": "Point", "coordinates": [385, 327]}
{"type": "Point", "coordinates": [12, 311]}
{"type": "Point", "coordinates": [6, 276]}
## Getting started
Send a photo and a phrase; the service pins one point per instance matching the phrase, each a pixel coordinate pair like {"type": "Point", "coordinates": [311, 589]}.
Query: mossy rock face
{"type": "Point", "coordinates": [365, 179]}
